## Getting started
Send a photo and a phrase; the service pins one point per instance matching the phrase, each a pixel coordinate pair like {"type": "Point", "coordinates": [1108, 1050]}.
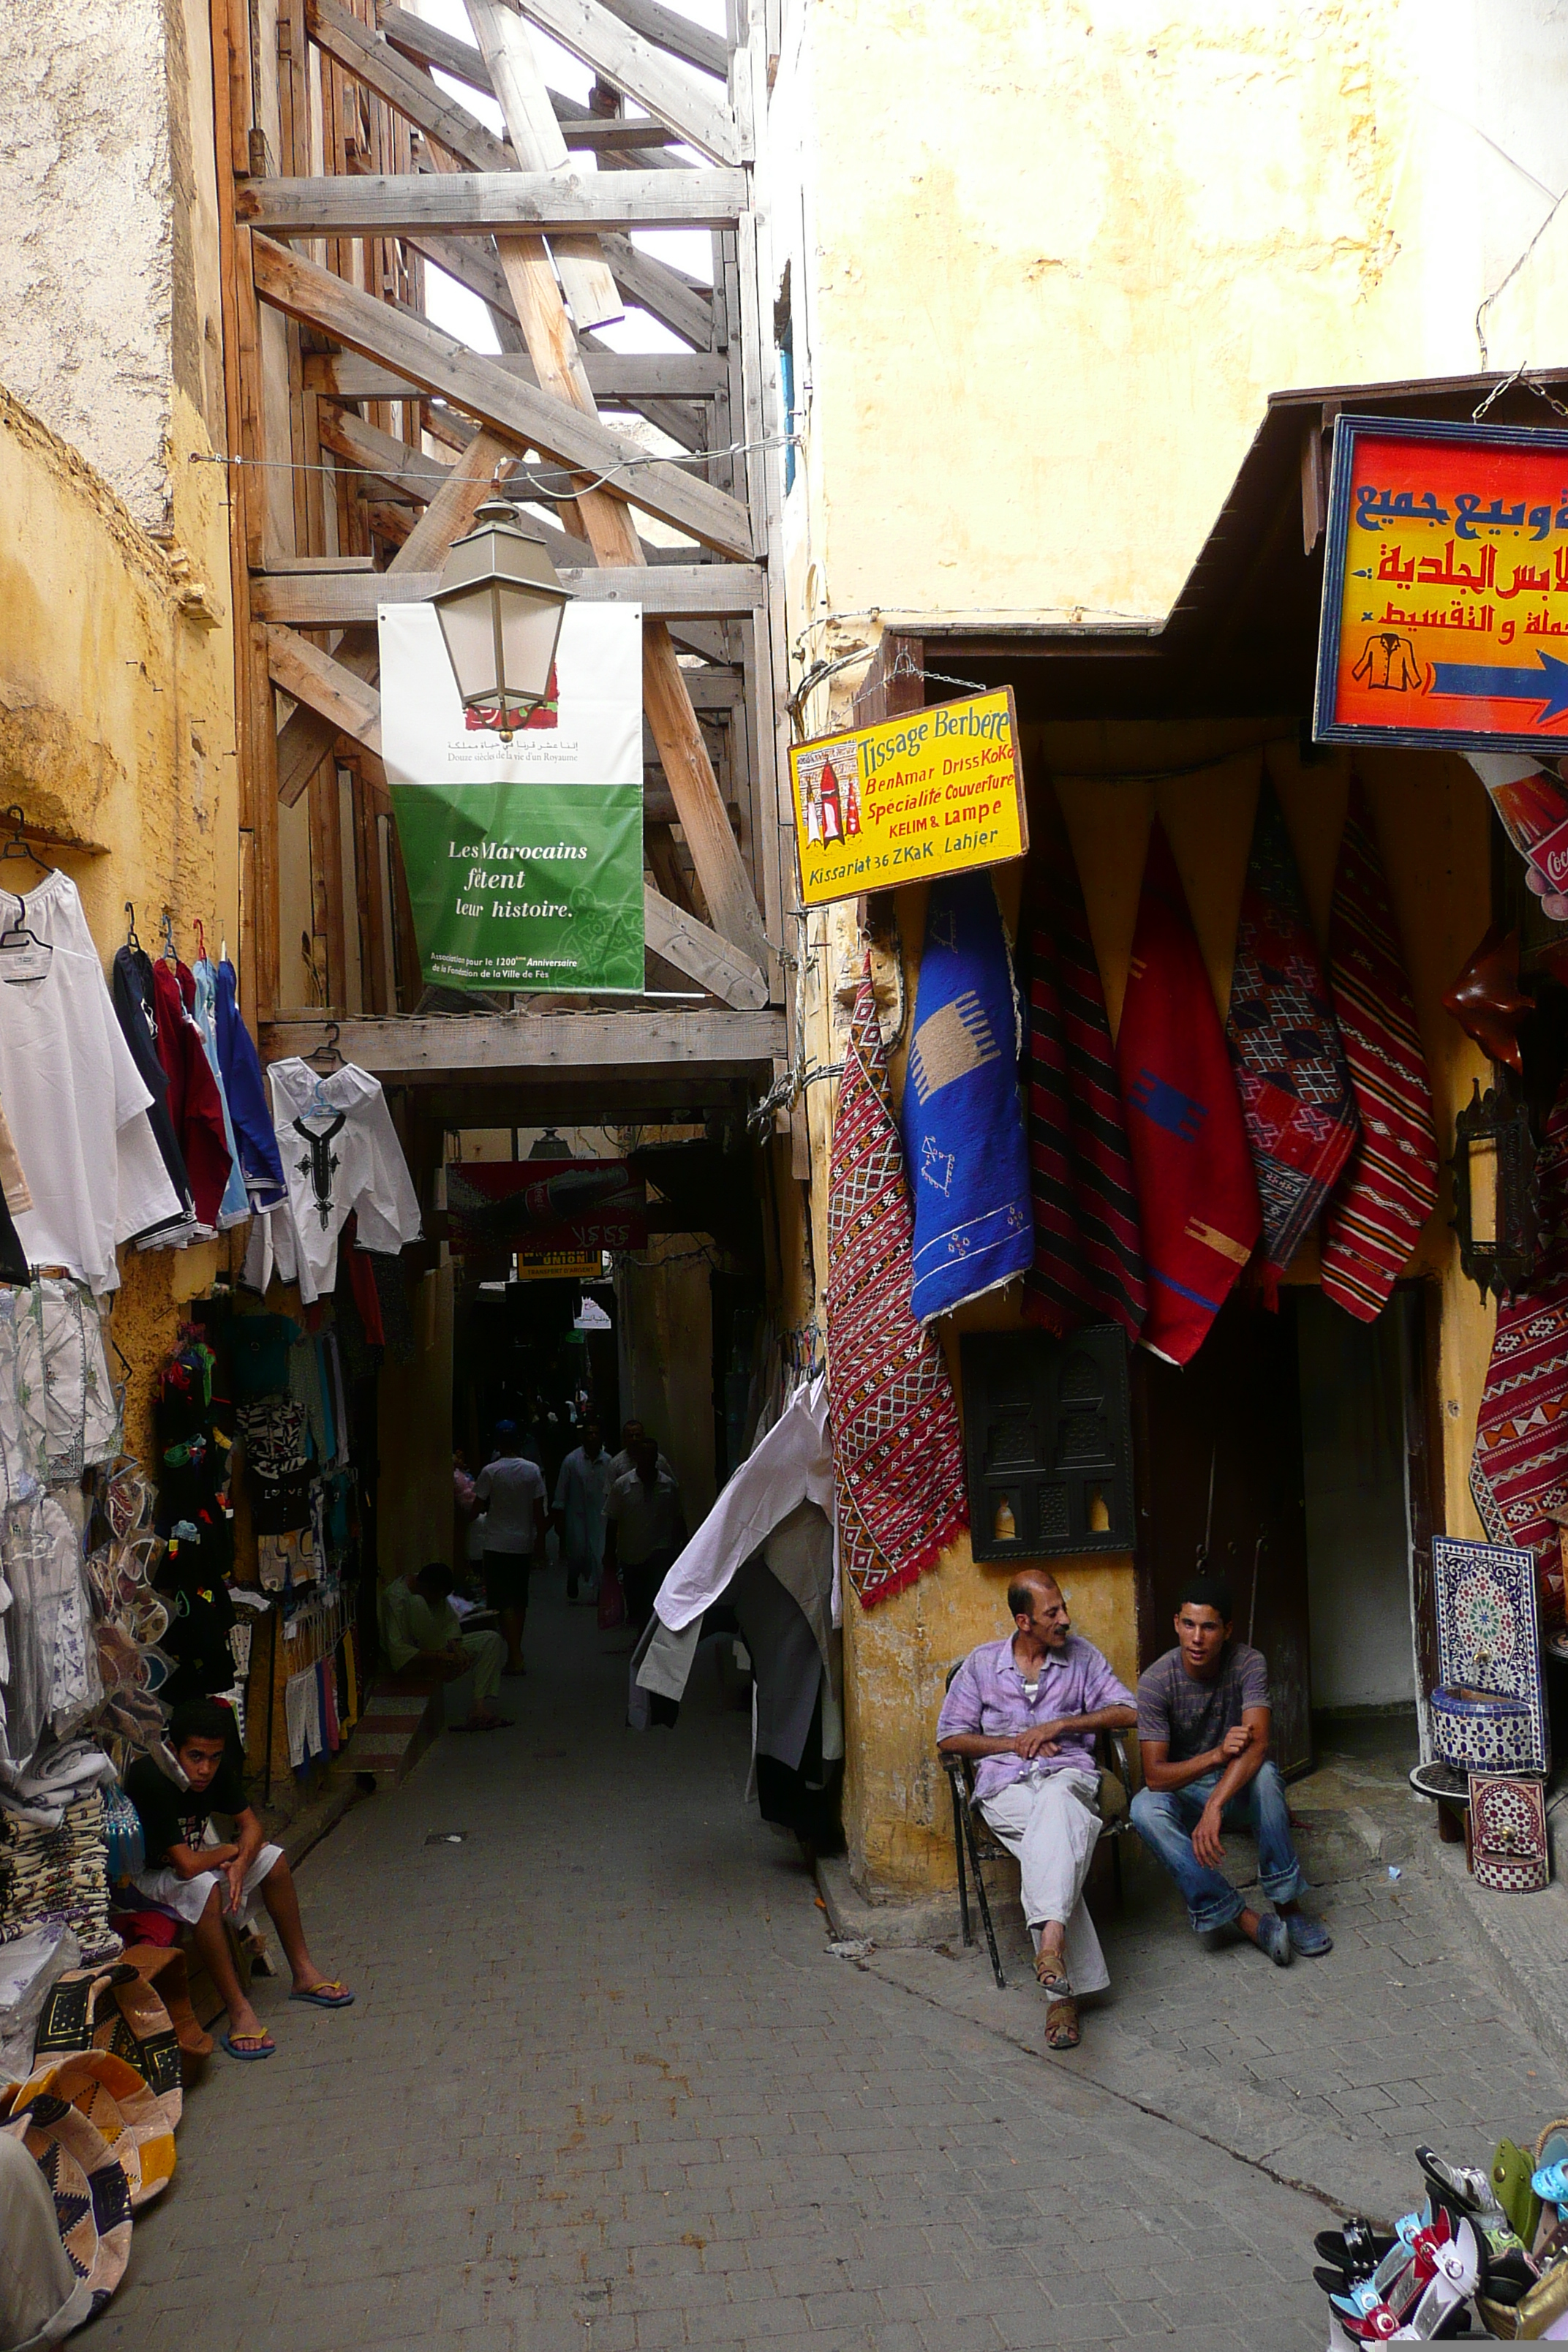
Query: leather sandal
{"type": "Point", "coordinates": [1050, 1973]}
{"type": "Point", "coordinates": [1061, 2026]}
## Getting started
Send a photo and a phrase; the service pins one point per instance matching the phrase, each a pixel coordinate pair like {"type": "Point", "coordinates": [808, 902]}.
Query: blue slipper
{"type": "Point", "coordinates": [328, 1994]}
{"type": "Point", "coordinates": [1274, 1939]}
{"type": "Point", "coordinates": [1308, 1937]}
{"type": "Point", "coordinates": [264, 2046]}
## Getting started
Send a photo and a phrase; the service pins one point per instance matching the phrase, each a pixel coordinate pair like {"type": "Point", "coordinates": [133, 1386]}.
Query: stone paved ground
{"type": "Point", "coordinates": [605, 2088]}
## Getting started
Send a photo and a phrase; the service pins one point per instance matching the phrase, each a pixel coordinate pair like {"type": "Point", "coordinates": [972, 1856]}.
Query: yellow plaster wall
{"type": "Point", "coordinates": [117, 733]}
{"type": "Point", "coordinates": [1047, 263]}
{"type": "Point", "coordinates": [1433, 821]}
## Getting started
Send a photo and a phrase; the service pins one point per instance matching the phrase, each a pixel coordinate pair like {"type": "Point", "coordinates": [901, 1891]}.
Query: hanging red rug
{"type": "Point", "coordinates": [1088, 1250]}
{"type": "Point", "coordinates": [1389, 1188]}
{"type": "Point", "coordinates": [1290, 1068]}
{"type": "Point", "coordinates": [897, 1446]}
{"type": "Point", "coordinates": [1518, 1470]}
{"type": "Point", "coordinates": [1197, 1198]}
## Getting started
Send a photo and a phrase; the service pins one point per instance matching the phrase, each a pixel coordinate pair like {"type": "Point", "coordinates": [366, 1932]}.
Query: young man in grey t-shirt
{"type": "Point", "coordinates": [1202, 1728]}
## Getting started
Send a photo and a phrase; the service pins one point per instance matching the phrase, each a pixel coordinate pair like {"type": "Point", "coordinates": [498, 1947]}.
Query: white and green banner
{"type": "Point", "coordinates": [524, 860]}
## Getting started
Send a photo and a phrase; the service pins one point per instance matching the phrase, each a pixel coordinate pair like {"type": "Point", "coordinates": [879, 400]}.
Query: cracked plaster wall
{"type": "Point", "coordinates": [87, 261]}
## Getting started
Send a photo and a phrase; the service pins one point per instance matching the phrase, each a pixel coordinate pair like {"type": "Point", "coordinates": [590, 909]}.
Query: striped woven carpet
{"type": "Point", "coordinates": [1088, 1250]}
{"type": "Point", "coordinates": [1389, 1188]}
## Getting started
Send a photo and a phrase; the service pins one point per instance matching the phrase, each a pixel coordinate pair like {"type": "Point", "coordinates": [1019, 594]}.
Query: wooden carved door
{"type": "Point", "coordinates": [1218, 1479]}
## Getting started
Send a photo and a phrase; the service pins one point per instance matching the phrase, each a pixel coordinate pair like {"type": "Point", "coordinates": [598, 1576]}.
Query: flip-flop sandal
{"type": "Point", "coordinates": [261, 2046]}
{"type": "Point", "coordinates": [328, 1994]}
{"type": "Point", "coordinates": [1061, 2026]}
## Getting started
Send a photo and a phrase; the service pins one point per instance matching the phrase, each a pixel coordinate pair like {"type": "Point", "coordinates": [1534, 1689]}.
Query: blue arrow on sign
{"type": "Point", "coordinates": [1477, 683]}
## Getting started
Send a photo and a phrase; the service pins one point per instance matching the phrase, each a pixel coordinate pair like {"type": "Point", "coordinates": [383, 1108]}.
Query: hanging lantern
{"type": "Point", "coordinates": [1496, 1213]}
{"type": "Point", "coordinates": [499, 605]}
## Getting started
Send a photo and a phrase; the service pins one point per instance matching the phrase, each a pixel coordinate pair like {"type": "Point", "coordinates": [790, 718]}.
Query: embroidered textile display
{"type": "Point", "coordinates": [1389, 1188]}
{"type": "Point", "coordinates": [1088, 1250]}
{"type": "Point", "coordinates": [1196, 1191]}
{"type": "Point", "coordinates": [1290, 1068]}
{"type": "Point", "coordinates": [964, 1123]}
{"type": "Point", "coordinates": [1519, 1468]}
{"type": "Point", "coordinates": [895, 1420]}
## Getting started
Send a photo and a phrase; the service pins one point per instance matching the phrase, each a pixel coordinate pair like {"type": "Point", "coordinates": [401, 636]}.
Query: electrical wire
{"type": "Point", "coordinates": [550, 489]}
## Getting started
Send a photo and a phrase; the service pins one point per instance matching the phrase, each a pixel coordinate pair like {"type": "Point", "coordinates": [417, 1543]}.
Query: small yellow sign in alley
{"type": "Point", "coordinates": [936, 792]}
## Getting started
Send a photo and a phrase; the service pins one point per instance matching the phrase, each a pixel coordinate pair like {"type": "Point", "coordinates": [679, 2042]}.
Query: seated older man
{"type": "Point", "coordinates": [1027, 1708]}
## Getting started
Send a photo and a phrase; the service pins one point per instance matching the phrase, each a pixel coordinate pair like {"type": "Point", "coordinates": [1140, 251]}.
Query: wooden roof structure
{"type": "Point", "coordinates": [362, 435]}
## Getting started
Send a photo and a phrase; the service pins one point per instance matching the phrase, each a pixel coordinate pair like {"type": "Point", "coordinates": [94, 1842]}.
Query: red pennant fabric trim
{"type": "Point", "coordinates": [1389, 1188]}
{"type": "Point", "coordinates": [1196, 1193]}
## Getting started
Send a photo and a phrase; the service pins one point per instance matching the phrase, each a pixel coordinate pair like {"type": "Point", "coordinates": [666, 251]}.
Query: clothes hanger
{"type": "Point", "coordinates": [326, 1053]}
{"type": "Point", "coordinates": [18, 846]}
{"type": "Point", "coordinates": [201, 940]}
{"type": "Point", "coordinates": [131, 942]}
{"type": "Point", "coordinates": [22, 954]}
{"type": "Point", "coordinates": [167, 949]}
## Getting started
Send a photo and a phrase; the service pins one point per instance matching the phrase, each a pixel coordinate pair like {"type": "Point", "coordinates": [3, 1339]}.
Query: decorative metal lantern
{"type": "Point", "coordinates": [499, 605]}
{"type": "Point", "coordinates": [1496, 1213]}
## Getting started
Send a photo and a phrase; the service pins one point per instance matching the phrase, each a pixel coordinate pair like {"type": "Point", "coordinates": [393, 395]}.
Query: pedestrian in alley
{"type": "Point", "coordinates": [581, 1492]}
{"type": "Point", "coordinates": [631, 1436]}
{"type": "Point", "coordinates": [1027, 1710]}
{"type": "Point", "coordinates": [206, 1885]}
{"type": "Point", "coordinates": [1204, 1716]}
{"type": "Point", "coordinates": [644, 1529]}
{"type": "Point", "coordinates": [510, 1488]}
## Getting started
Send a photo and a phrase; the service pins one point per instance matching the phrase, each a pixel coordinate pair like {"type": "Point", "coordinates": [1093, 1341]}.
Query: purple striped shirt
{"type": "Point", "coordinates": [988, 1695]}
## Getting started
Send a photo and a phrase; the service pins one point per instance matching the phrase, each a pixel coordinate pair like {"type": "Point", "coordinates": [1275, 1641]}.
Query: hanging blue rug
{"type": "Point", "coordinates": [964, 1143]}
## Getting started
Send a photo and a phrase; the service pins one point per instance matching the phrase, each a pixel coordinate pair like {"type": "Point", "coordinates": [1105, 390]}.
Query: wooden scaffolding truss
{"type": "Point", "coordinates": [362, 435]}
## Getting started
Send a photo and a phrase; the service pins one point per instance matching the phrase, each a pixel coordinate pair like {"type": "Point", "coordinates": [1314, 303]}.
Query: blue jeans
{"type": "Point", "coordinates": [1165, 1819]}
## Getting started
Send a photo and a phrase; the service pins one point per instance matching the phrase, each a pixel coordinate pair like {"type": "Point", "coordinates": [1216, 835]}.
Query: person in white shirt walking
{"type": "Point", "coordinates": [511, 1489]}
{"type": "Point", "coordinates": [631, 1436]}
{"type": "Point", "coordinates": [581, 1492]}
{"type": "Point", "coordinates": [644, 1529]}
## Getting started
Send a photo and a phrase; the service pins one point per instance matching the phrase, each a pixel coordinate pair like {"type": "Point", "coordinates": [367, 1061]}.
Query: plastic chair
{"type": "Point", "coordinates": [971, 1834]}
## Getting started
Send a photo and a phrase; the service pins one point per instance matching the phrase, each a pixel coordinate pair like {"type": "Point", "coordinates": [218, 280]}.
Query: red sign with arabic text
{"type": "Point", "coordinates": [1445, 615]}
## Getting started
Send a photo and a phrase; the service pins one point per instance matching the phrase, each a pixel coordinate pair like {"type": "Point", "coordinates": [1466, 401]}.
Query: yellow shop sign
{"type": "Point", "coordinates": [937, 792]}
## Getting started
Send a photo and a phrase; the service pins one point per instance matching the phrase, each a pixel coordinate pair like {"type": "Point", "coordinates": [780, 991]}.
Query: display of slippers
{"type": "Point", "coordinates": [1355, 2250]}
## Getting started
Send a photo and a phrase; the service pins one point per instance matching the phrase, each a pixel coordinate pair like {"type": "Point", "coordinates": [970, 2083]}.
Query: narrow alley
{"type": "Point", "coordinates": [606, 2087]}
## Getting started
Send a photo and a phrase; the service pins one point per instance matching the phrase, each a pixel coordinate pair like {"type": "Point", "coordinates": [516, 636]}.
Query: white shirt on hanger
{"type": "Point", "coordinates": [75, 1099]}
{"type": "Point", "coordinates": [340, 1151]}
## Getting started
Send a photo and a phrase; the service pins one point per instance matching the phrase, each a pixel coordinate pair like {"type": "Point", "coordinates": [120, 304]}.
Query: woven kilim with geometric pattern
{"type": "Point", "coordinates": [1088, 1248]}
{"type": "Point", "coordinates": [1389, 1188]}
{"type": "Point", "coordinates": [897, 1445]}
{"type": "Point", "coordinates": [1518, 1470]}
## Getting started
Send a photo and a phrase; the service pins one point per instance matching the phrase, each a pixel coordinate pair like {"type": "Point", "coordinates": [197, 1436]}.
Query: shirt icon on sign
{"type": "Point", "coordinates": [1388, 664]}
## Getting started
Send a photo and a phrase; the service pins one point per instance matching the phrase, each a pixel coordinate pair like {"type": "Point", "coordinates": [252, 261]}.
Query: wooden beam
{"type": "Point", "coordinates": [701, 953]}
{"type": "Point", "coordinates": [629, 63]}
{"type": "Point", "coordinates": [667, 294]}
{"type": "Point", "coordinates": [428, 45]}
{"type": "Point", "coordinates": [669, 592]}
{"type": "Point", "coordinates": [392, 464]}
{"type": "Point", "coordinates": [612, 375]}
{"type": "Point", "coordinates": [515, 411]}
{"type": "Point", "coordinates": [376, 63]}
{"type": "Point", "coordinates": [606, 524]}
{"type": "Point", "coordinates": [708, 52]}
{"type": "Point", "coordinates": [493, 1046]}
{"type": "Point", "coordinates": [327, 686]}
{"type": "Point", "coordinates": [538, 146]}
{"type": "Point", "coordinates": [482, 203]}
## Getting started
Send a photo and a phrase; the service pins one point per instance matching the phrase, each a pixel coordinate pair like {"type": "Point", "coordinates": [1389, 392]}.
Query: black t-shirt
{"type": "Point", "coordinates": [175, 1816]}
